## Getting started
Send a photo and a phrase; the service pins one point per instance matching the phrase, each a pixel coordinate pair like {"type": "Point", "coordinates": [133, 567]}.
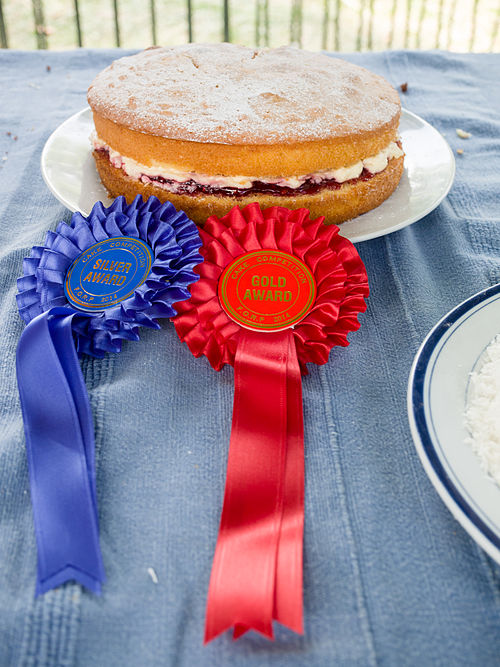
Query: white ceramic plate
{"type": "Point", "coordinates": [437, 397]}
{"type": "Point", "coordinates": [69, 171]}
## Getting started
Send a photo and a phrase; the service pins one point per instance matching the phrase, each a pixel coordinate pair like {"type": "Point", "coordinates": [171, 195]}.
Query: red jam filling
{"type": "Point", "coordinates": [309, 187]}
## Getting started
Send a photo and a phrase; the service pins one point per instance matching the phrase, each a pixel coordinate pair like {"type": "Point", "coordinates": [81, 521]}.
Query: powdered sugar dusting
{"type": "Point", "coordinates": [224, 93]}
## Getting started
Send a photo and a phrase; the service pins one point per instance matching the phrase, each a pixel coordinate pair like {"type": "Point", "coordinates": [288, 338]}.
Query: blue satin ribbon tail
{"type": "Point", "coordinates": [60, 448]}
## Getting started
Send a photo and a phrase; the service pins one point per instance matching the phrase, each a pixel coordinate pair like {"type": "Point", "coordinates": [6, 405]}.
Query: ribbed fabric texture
{"type": "Point", "coordinates": [390, 577]}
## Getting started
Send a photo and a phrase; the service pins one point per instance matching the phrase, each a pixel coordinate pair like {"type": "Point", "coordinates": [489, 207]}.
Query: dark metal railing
{"type": "Point", "coordinates": [261, 22]}
{"type": "Point", "coordinates": [40, 29]}
{"type": "Point", "coordinates": [3, 31]}
{"type": "Point", "coordinates": [416, 23]}
{"type": "Point", "coordinates": [78, 25]}
{"type": "Point", "coordinates": [190, 20]}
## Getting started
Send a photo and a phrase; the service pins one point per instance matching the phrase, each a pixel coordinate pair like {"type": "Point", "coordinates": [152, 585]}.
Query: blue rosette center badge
{"type": "Point", "coordinates": [107, 273]}
{"type": "Point", "coordinates": [92, 285]}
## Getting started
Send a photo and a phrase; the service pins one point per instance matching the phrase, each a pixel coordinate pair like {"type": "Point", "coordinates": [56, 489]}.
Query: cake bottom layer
{"type": "Point", "coordinates": [338, 205]}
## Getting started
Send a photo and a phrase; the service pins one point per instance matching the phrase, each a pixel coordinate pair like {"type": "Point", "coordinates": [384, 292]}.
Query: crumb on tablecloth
{"type": "Point", "coordinates": [153, 575]}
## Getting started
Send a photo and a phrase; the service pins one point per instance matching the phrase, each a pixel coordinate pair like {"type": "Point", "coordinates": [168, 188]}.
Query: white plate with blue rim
{"type": "Point", "coordinates": [437, 398]}
{"type": "Point", "coordinates": [70, 173]}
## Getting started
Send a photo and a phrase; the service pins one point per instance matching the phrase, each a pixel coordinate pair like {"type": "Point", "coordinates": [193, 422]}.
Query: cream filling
{"type": "Point", "coordinates": [374, 164]}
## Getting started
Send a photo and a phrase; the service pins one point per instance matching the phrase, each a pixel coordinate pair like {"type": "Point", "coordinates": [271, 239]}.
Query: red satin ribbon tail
{"type": "Point", "coordinates": [257, 569]}
{"type": "Point", "coordinates": [288, 607]}
{"type": "Point", "coordinates": [288, 596]}
{"type": "Point", "coordinates": [238, 594]}
{"type": "Point", "coordinates": [242, 583]}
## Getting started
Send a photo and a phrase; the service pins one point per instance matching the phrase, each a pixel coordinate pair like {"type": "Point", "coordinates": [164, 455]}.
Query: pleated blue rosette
{"type": "Point", "coordinates": [56, 410]}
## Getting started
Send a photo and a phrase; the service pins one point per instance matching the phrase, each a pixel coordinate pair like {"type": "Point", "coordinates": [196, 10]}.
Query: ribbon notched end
{"type": "Point", "coordinates": [70, 573]}
{"type": "Point", "coordinates": [239, 629]}
{"type": "Point", "coordinates": [263, 627]}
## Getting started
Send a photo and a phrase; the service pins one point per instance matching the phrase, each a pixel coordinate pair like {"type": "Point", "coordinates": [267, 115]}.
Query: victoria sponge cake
{"type": "Point", "coordinates": [208, 126]}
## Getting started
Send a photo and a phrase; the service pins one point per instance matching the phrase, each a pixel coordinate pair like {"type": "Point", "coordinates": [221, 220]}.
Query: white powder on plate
{"type": "Point", "coordinates": [482, 415]}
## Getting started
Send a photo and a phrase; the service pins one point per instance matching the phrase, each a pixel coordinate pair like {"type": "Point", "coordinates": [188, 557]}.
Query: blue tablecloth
{"type": "Point", "coordinates": [390, 577]}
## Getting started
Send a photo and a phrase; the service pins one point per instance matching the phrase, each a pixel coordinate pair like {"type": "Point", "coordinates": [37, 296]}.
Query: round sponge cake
{"type": "Point", "coordinates": [208, 126]}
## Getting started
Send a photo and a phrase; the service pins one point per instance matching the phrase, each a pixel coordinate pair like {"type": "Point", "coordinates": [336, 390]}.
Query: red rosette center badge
{"type": "Point", "coordinates": [267, 290]}
{"type": "Point", "coordinates": [276, 291]}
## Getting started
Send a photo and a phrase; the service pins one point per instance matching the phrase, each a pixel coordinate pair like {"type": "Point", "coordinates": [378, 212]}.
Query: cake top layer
{"type": "Point", "coordinates": [229, 94]}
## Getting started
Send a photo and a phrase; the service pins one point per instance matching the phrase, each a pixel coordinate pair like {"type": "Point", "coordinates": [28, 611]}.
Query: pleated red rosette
{"type": "Point", "coordinates": [264, 271]}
